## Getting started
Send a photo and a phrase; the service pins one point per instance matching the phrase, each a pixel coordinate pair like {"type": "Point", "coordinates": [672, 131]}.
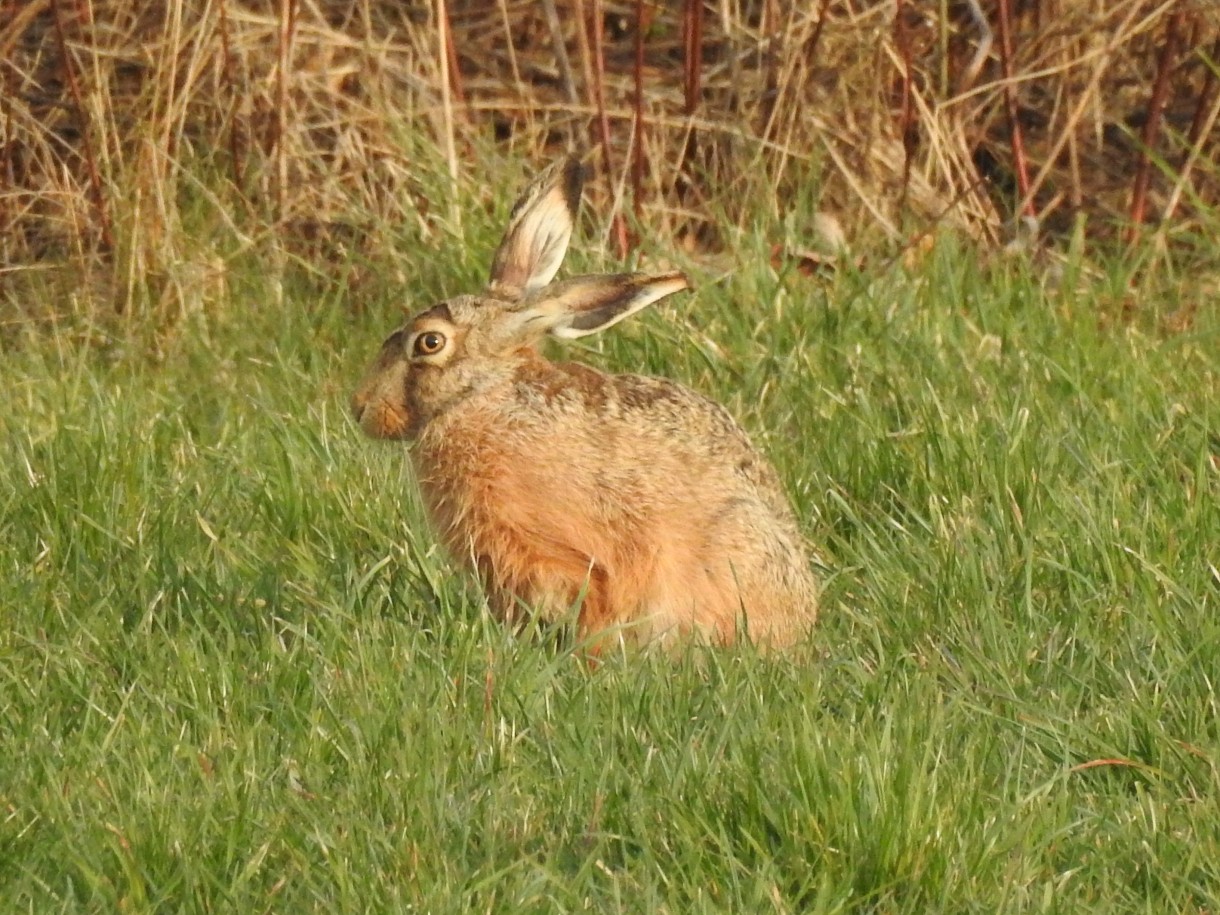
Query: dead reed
{"type": "Point", "coordinates": [147, 141]}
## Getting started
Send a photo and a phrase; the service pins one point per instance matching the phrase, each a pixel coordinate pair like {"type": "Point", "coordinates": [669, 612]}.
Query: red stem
{"type": "Point", "coordinates": [455, 72]}
{"type": "Point", "coordinates": [1156, 104]}
{"type": "Point", "coordinates": [1010, 103]}
{"type": "Point", "coordinates": [692, 52]}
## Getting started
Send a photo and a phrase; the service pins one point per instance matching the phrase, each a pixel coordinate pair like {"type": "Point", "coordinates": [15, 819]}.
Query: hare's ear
{"type": "Point", "coordinates": [539, 229]}
{"type": "Point", "coordinates": [586, 304]}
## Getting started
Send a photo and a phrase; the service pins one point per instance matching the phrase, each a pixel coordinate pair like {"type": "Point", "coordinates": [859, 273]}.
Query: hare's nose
{"type": "Point", "coordinates": [378, 418]}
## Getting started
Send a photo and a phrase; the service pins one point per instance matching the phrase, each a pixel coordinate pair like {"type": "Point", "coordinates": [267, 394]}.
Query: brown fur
{"type": "Point", "coordinates": [633, 497]}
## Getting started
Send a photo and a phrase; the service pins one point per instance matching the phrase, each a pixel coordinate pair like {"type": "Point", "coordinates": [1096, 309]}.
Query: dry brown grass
{"type": "Point", "coordinates": [146, 142]}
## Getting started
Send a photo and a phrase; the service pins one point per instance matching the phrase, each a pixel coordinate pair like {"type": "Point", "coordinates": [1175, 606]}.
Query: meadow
{"type": "Point", "coordinates": [236, 674]}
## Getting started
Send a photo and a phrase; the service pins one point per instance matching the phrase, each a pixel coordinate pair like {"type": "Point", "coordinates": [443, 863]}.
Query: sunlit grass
{"type": "Point", "coordinates": [237, 675]}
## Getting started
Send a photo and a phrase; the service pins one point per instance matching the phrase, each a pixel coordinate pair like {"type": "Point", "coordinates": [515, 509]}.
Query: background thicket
{"type": "Point", "coordinates": [149, 145]}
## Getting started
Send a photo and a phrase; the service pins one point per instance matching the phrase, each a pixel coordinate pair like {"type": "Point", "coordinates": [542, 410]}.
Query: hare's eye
{"type": "Point", "coordinates": [429, 343]}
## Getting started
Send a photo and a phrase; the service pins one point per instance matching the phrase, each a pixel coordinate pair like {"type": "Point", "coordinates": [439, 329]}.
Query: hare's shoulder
{"type": "Point", "coordinates": [577, 388]}
{"type": "Point", "coordinates": [652, 410]}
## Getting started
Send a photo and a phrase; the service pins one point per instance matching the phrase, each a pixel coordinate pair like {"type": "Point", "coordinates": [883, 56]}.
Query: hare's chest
{"type": "Point", "coordinates": [475, 472]}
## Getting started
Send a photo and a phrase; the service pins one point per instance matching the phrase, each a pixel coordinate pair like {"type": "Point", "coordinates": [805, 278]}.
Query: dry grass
{"type": "Point", "coordinates": [149, 140]}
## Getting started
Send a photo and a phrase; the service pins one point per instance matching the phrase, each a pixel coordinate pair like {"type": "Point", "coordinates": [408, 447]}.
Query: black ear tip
{"type": "Point", "coordinates": [574, 174]}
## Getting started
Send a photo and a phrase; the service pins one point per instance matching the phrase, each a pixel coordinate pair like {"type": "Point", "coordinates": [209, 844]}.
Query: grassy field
{"type": "Point", "coordinates": [237, 675]}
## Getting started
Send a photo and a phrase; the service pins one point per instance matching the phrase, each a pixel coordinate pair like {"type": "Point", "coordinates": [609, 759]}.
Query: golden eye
{"type": "Point", "coordinates": [429, 343]}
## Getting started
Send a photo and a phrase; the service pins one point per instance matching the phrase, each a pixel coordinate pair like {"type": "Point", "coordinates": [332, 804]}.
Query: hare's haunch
{"type": "Point", "coordinates": [633, 498]}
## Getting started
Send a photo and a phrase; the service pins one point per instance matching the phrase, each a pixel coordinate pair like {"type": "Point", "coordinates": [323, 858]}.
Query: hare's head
{"type": "Point", "coordinates": [470, 342]}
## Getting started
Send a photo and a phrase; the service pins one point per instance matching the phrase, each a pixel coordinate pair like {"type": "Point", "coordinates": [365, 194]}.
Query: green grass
{"type": "Point", "coordinates": [237, 675]}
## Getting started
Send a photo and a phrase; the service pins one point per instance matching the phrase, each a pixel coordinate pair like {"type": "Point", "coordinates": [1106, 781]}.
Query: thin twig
{"type": "Point", "coordinates": [767, 48]}
{"type": "Point", "coordinates": [226, 75]}
{"type": "Point", "coordinates": [513, 66]}
{"type": "Point", "coordinates": [17, 20]}
{"type": "Point", "coordinates": [560, 50]}
{"type": "Point", "coordinates": [982, 51]}
{"type": "Point", "coordinates": [1200, 130]}
{"type": "Point", "coordinates": [1102, 58]}
{"type": "Point", "coordinates": [8, 177]}
{"type": "Point", "coordinates": [451, 58]}
{"type": "Point", "coordinates": [637, 132]}
{"type": "Point", "coordinates": [442, 56]}
{"type": "Point", "coordinates": [284, 35]}
{"type": "Point", "coordinates": [1010, 105]}
{"type": "Point", "coordinates": [908, 129]}
{"type": "Point", "coordinates": [95, 178]}
{"type": "Point", "coordinates": [692, 53]}
{"type": "Point", "coordinates": [1209, 85]}
{"type": "Point", "coordinates": [618, 227]}
{"type": "Point", "coordinates": [811, 45]}
{"type": "Point", "coordinates": [1152, 124]}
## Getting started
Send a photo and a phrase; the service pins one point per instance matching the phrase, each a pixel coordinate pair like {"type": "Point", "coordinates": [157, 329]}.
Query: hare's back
{"type": "Point", "coordinates": [635, 431]}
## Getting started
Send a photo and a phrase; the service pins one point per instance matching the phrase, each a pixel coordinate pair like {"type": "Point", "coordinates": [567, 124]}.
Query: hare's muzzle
{"type": "Point", "coordinates": [380, 419]}
{"type": "Point", "coordinates": [379, 404]}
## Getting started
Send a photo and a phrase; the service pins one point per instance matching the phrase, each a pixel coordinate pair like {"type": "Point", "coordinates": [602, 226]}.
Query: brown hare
{"type": "Point", "coordinates": [633, 499]}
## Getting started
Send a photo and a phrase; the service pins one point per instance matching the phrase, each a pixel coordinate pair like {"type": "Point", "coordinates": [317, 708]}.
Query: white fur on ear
{"type": "Point", "coordinates": [584, 305]}
{"type": "Point", "coordinates": [539, 229]}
